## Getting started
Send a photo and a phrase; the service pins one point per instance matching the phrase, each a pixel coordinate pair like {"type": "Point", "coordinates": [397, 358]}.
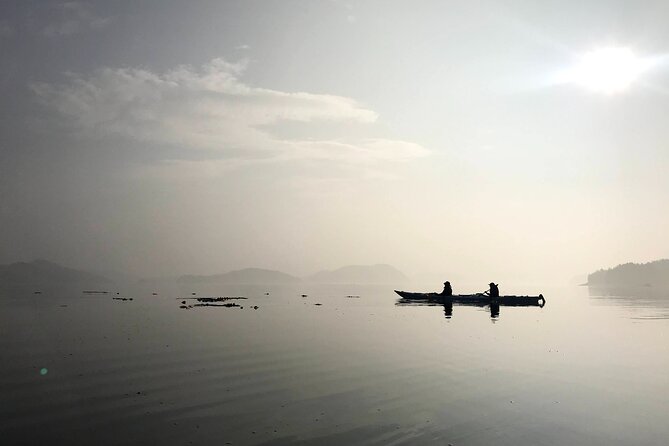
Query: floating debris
{"type": "Point", "coordinates": [216, 299]}
{"type": "Point", "coordinates": [255, 307]}
{"type": "Point", "coordinates": [212, 302]}
{"type": "Point", "coordinates": [94, 292]}
{"type": "Point", "coordinates": [266, 294]}
{"type": "Point", "coordinates": [227, 305]}
{"type": "Point", "coordinates": [193, 294]}
{"type": "Point", "coordinates": [155, 294]}
{"type": "Point", "coordinates": [37, 292]}
{"type": "Point", "coordinates": [304, 295]}
{"type": "Point", "coordinates": [122, 298]}
{"type": "Point", "coordinates": [318, 304]}
{"type": "Point", "coordinates": [352, 296]}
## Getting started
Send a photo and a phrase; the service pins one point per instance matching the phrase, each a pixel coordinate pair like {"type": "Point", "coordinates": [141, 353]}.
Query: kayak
{"type": "Point", "coordinates": [476, 299]}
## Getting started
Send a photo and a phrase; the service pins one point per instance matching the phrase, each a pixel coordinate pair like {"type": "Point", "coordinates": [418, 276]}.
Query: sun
{"type": "Point", "coordinates": [606, 70]}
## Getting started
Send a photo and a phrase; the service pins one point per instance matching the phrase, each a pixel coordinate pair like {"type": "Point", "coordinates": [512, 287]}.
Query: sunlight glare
{"type": "Point", "coordinates": [607, 70]}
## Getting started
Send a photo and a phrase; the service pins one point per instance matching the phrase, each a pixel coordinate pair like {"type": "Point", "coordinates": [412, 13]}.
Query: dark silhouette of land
{"type": "Point", "coordinates": [41, 273]}
{"type": "Point", "coordinates": [654, 274]}
{"type": "Point", "coordinates": [44, 274]}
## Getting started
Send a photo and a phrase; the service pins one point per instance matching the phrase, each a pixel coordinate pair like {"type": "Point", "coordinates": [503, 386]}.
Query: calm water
{"type": "Point", "coordinates": [82, 369]}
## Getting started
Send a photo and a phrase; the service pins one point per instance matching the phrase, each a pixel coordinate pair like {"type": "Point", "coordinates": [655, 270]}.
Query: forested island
{"type": "Point", "coordinates": [654, 274]}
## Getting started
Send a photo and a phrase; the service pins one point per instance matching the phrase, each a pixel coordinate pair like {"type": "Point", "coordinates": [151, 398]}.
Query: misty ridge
{"type": "Point", "coordinates": [42, 273]}
{"type": "Point", "coordinates": [354, 274]}
{"type": "Point", "coordinates": [651, 274]}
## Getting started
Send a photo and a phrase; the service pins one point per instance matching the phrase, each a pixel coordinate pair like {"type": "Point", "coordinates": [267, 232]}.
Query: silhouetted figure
{"type": "Point", "coordinates": [448, 291]}
{"type": "Point", "coordinates": [493, 292]}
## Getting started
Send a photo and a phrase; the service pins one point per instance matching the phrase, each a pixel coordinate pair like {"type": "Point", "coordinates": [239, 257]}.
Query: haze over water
{"type": "Point", "coordinates": [349, 371]}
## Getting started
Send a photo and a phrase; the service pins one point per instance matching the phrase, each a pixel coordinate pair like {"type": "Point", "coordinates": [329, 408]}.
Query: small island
{"type": "Point", "coordinates": [651, 274]}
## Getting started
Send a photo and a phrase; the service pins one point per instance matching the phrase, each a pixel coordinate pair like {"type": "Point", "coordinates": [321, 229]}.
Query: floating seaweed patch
{"type": "Point", "coordinates": [211, 302]}
{"type": "Point", "coordinates": [217, 299]}
{"type": "Point", "coordinates": [227, 305]}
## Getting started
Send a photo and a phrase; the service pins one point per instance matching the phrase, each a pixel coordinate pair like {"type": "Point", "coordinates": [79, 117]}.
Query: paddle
{"type": "Point", "coordinates": [487, 292]}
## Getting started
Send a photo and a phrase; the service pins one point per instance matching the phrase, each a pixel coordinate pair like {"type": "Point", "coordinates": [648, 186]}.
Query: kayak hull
{"type": "Point", "coordinates": [475, 299]}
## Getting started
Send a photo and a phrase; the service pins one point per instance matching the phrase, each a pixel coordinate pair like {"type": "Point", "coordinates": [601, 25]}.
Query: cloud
{"type": "Point", "coordinates": [74, 18]}
{"type": "Point", "coordinates": [362, 151]}
{"type": "Point", "coordinates": [212, 110]}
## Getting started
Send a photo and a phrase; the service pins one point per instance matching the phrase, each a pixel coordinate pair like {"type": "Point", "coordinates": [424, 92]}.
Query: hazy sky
{"type": "Point", "coordinates": [164, 137]}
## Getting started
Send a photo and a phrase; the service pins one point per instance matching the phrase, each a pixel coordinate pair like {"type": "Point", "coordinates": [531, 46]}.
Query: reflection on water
{"type": "Point", "coordinates": [493, 307]}
{"type": "Point", "coordinates": [650, 302]}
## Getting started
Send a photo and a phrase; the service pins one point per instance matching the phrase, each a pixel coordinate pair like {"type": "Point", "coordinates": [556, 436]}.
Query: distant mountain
{"type": "Point", "coordinates": [633, 274]}
{"type": "Point", "coordinates": [243, 276]}
{"type": "Point", "coordinates": [362, 274]}
{"type": "Point", "coordinates": [40, 273]}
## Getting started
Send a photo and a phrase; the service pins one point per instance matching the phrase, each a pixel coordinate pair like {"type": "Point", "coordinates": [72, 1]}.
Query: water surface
{"type": "Point", "coordinates": [88, 369]}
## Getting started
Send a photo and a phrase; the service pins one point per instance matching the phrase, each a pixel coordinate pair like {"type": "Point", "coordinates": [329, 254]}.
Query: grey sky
{"type": "Point", "coordinates": [195, 137]}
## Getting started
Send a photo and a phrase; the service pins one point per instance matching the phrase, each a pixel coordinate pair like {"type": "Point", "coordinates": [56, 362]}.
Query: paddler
{"type": "Point", "coordinates": [493, 292]}
{"type": "Point", "coordinates": [448, 291]}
